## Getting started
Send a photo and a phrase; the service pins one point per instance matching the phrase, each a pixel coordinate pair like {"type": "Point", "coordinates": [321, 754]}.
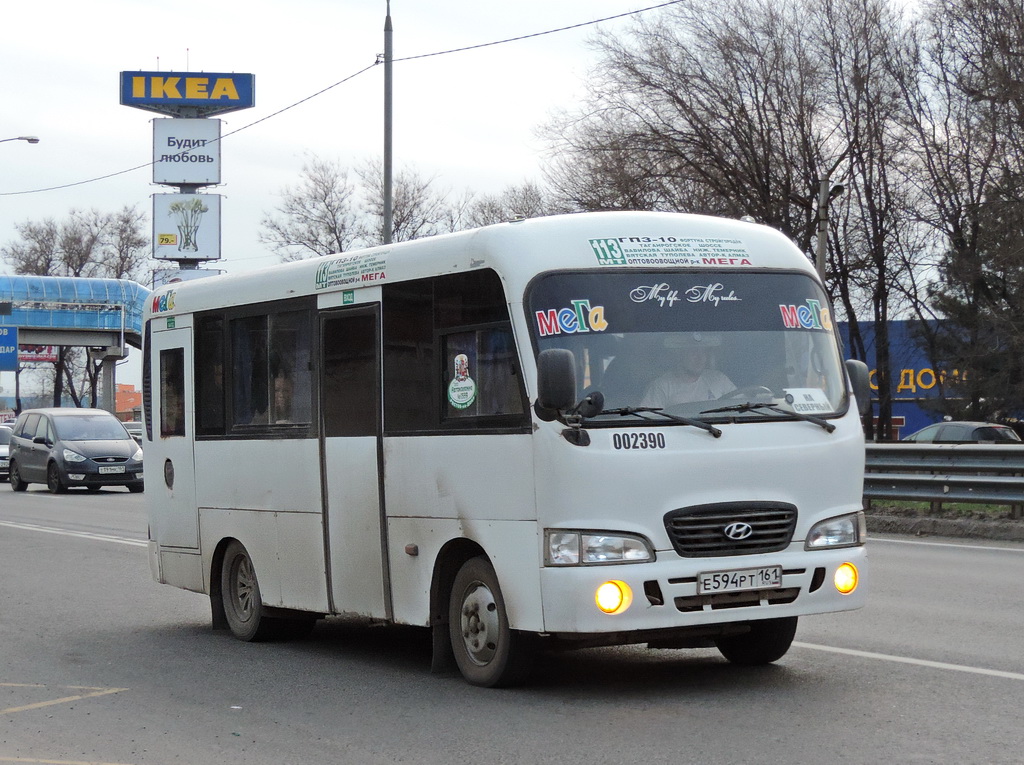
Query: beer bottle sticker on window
{"type": "Point", "coordinates": [462, 389]}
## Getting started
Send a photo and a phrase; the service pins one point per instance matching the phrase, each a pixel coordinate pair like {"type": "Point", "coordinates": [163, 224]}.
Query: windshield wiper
{"type": "Point", "coordinates": [752, 407]}
{"type": "Point", "coordinates": [639, 411]}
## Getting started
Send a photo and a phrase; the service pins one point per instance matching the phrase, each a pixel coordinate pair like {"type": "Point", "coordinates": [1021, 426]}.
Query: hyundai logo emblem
{"type": "Point", "coordinates": [738, 531]}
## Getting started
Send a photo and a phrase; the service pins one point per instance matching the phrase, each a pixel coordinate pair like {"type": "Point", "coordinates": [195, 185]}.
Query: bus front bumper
{"type": "Point", "coordinates": [664, 594]}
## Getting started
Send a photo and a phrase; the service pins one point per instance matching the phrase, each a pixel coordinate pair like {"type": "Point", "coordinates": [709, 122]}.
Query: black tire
{"type": "Point", "coordinates": [53, 481]}
{"type": "Point", "coordinates": [487, 651]}
{"type": "Point", "coordinates": [240, 594]}
{"type": "Point", "coordinates": [766, 642]}
{"type": "Point", "coordinates": [16, 483]}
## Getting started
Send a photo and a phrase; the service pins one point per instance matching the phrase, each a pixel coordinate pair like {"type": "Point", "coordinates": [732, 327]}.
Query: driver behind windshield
{"type": "Point", "coordinates": [691, 376]}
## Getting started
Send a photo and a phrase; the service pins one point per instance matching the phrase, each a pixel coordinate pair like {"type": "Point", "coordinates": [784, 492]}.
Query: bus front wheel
{"type": "Point", "coordinates": [767, 641]}
{"type": "Point", "coordinates": [487, 651]}
{"type": "Point", "coordinates": [240, 593]}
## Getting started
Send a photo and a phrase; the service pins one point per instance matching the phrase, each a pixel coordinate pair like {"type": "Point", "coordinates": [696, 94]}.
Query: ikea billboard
{"type": "Point", "coordinates": [188, 93]}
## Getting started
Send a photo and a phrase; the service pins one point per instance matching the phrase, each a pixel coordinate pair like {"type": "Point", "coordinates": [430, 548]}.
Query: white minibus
{"type": "Point", "coordinates": [574, 431]}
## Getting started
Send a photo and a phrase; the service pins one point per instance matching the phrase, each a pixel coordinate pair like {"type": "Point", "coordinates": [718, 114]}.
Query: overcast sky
{"type": "Point", "coordinates": [470, 118]}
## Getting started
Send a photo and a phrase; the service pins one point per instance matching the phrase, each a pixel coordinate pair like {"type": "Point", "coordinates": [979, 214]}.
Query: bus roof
{"type": "Point", "coordinates": [517, 251]}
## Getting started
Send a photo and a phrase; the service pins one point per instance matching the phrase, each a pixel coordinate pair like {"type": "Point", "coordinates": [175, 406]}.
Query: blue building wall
{"type": "Point", "coordinates": [913, 381]}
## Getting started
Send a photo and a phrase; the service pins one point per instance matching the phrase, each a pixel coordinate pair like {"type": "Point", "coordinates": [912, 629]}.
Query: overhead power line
{"type": "Point", "coordinates": [351, 77]}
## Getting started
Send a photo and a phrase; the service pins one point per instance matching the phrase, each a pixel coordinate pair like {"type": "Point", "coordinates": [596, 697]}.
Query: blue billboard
{"type": "Point", "coordinates": [914, 383]}
{"type": "Point", "coordinates": [198, 93]}
{"type": "Point", "coordinates": [8, 349]}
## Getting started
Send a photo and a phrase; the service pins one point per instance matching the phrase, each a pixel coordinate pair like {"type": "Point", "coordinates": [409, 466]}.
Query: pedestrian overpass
{"type": "Point", "coordinates": [103, 315]}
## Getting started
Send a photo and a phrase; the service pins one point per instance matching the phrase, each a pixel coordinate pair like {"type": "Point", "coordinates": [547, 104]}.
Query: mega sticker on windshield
{"type": "Point", "coordinates": [812, 315]}
{"type": "Point", "coordinates": [580, 317]}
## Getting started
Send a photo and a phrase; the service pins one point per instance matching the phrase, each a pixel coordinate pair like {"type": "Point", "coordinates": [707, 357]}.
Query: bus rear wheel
{"type": "Point", "coordinates": [240, 594]}
{"type": "Point", "coordinates": [767, 641]}
{"type": "Point", "coordinates": [487, 651]}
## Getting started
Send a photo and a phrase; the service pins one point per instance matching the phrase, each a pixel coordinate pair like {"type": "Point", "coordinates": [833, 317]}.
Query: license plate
{"type": "Point", "coordinates": [739, 580]}
{"type": "Point", "coordinates": [107, 469]}
{"type": "Point", "coordinates": [5, 463]}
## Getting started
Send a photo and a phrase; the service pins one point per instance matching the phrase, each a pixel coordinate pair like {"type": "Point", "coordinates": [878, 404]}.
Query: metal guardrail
{"type": "Point", "coordinates": [944, 473]}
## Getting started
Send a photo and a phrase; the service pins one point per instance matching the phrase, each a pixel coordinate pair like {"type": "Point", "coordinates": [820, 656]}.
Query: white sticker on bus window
{"type": "Point", "coordinates": [808, 400]}
{"type": "Point", "coordinates": [462, 389]}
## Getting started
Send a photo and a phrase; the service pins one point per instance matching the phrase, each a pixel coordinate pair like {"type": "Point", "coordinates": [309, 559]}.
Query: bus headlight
{"type": "Point", "coordinates": [613, 597]}
{"type": "Point", "coordinates": [842, 531]}
{"type": "Point", "coordinates": [589, 548]}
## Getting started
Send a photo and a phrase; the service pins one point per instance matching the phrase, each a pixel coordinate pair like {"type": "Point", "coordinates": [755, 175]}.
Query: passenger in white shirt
{"type": "Point", "coordinates": [691, 377]}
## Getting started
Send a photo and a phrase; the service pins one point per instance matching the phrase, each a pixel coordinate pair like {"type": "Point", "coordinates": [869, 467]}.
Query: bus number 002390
{"type": "Point", "coordinates": [638, 440]}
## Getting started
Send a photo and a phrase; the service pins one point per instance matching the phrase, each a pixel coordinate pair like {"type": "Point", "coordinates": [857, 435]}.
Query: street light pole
{"type": "Point", "coordinates": [29, 138]}
{"type": "Point", "coordinates": [826, 193]}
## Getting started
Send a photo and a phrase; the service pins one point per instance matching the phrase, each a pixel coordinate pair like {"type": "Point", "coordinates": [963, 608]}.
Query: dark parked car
{"type": "Point", "coordinates": [73, 447]}
{"type": "Point", "coordinates": [5, 442]}
{"type": "Point", "coordinates": [964, 433]}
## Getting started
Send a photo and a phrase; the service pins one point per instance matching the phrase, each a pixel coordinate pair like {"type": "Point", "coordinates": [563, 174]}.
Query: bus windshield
{"type": "Point", "coordinates": [715, 345]}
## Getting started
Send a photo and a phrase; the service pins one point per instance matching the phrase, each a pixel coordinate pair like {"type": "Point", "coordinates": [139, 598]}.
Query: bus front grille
{"type": "Point", "coordinates": [731, 528]}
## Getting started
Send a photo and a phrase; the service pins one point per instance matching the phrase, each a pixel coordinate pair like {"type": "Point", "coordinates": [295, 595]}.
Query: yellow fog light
{"type": "Point", "coordinates": [613, 597]}
{"type": "Point", "coordinates": [846, 578]}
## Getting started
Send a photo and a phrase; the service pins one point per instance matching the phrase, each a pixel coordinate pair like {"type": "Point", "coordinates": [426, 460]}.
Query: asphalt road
{"type": "Point", "coordinates": [99, 664]}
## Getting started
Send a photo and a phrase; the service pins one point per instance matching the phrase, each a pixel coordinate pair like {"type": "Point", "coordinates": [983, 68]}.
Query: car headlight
{"type": "Point", "coordinates": [137, 456]}
{"type": "Point", "coordinates": [842, 531]}
{"type": "Point", "coordinates": [70, 456]}
{"type": "Point", "coordinates": [590, 548]}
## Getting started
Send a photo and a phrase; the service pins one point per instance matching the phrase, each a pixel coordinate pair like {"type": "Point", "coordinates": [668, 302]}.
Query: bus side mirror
{"type": "Point", "coordinates": [858, 372]}
{"type": "Point", "coordinates": [556, 382]}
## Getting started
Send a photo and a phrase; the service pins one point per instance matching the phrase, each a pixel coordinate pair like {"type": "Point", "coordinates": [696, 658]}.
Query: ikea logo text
{"type": "Point", "coordinates": [194, 88]}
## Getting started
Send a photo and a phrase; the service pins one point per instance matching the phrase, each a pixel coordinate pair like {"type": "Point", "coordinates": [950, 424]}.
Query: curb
{"type": "Point", "coordinates": [965, 528]}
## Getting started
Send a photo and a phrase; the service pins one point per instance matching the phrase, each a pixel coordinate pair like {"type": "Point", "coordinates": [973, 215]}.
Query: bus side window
{"type": "Point", "coordinates": [172, 392]}
{"type": "Point", "coordinates": [209, 382]}
{"type": "Point", "coordinates": [270, 369]}
{"type": "Point", "coordinates": [481, 377]}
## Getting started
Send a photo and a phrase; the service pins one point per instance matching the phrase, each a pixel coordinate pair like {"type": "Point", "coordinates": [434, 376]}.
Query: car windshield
{"type": "Point", "coordinates": [714, 345]}
{"type": "Point", "coordinates": [89, 427]}
{"type": "Point", "coordinates": [5, 436]}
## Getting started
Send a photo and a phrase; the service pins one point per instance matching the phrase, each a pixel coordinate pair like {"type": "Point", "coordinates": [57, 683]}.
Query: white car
{"type": "Point", "coordinates": [5, 447]}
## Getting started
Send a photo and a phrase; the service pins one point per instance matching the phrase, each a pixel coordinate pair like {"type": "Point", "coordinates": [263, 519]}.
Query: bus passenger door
{"type": "Point", "coordinates": [350, 402]}
{"type": "Point", "coordinates": [168, 458]}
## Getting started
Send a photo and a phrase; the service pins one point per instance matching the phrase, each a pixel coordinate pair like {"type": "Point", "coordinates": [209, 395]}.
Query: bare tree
{"type": "Point", "coordinates": [126, 247]}
{"type": "Point", "coordinates": [38, 252]}
{"type": "Point", "coordinates": [971, 127]}
{"type": "Point", "coordinates": [86, 243]}
{"type": "Point", "coordinates": [709, 108]}
{"type": "Point", "coordinates": [527, 200]}
{"type": "Point", "coordinates": [319, 216]}
{"type": "Point", "coordinates": [419, 207]}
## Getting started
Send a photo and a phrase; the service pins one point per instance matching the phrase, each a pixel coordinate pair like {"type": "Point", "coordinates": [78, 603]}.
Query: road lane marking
{"type": "Point", "coordinates": [946, 544]}
{"type": "Point", "coordinates": [80, 534]}
{"type": "Point", "coordinates": [64, 700]}
{"type": "Point", "coordinates": [56, 762]}
{"type": "Point", "coordinates": [916, 662]}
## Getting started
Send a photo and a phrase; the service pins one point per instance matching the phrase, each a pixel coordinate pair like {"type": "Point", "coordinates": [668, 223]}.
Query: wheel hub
{"type": "Point", "coordinates": [479, 623]}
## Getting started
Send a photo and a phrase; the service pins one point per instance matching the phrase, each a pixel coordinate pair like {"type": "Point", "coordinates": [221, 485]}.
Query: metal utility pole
{"type": "Point", "coordinates": [388, 56]}
{"type": "Point", "coordinates": [826, 193]}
